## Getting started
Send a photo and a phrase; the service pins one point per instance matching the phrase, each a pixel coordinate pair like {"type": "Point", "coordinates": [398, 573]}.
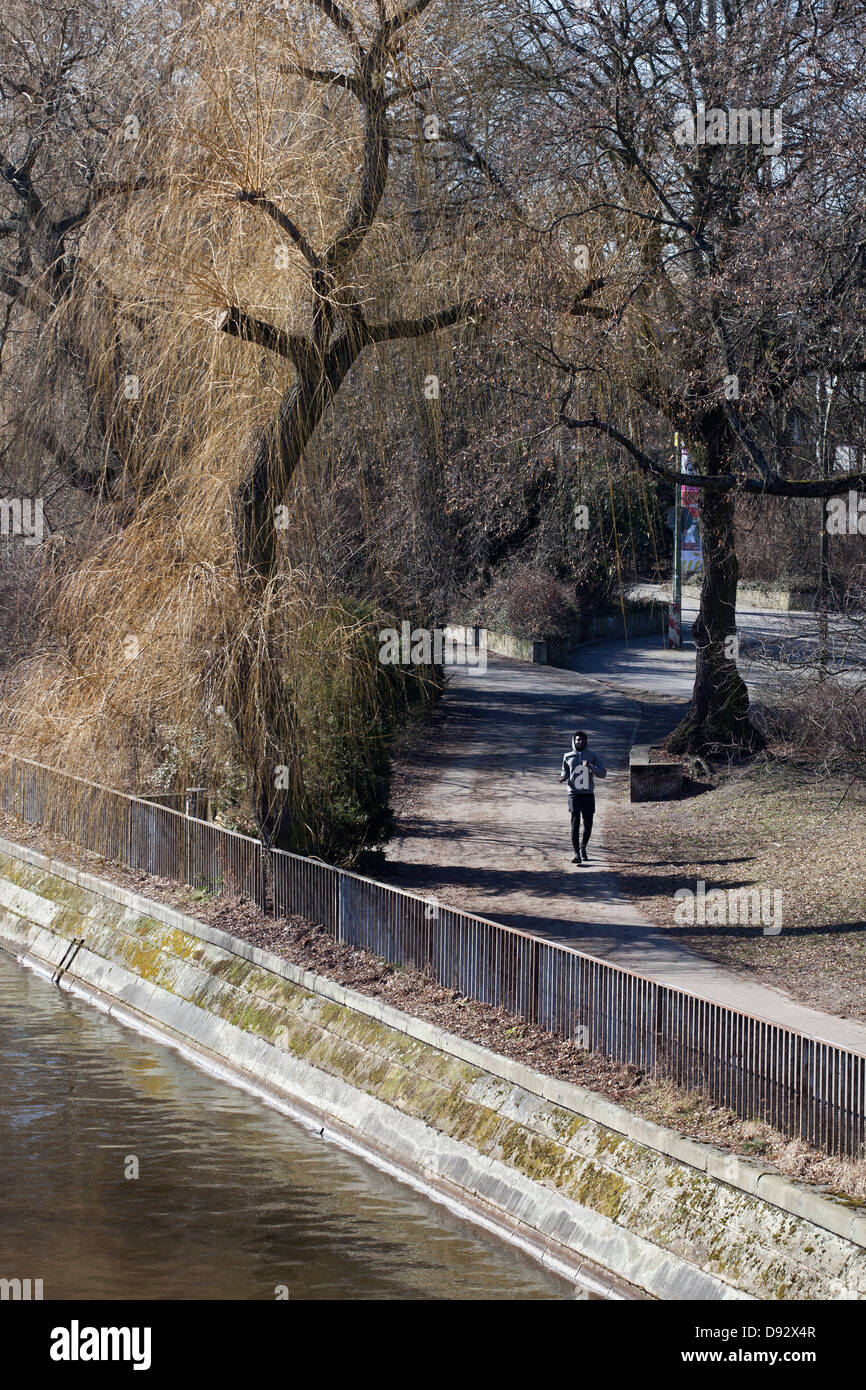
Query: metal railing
{"type": "Point", "coordinates": [803, 1086]}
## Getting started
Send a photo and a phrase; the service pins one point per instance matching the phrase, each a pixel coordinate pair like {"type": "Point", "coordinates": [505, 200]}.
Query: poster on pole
{"type": "Point", "coordinates": [675, 638]}
{"type": "Point", "coordinates": [693, 560]}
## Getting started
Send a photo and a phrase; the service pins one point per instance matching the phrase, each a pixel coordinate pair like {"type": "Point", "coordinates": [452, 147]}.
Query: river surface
{"type": "Point", "coordinates": [233, 1200]}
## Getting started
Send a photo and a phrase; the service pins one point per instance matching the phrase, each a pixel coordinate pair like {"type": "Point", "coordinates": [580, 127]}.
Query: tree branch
{"type": "Point", "coordinates": [67, 224]}
{"type": "Point", "coordinates": [259, 199]}
{"type": "Point", "coordinates": [369, 87]}
{"type": "Point", "coordinates": [772, 485]}
{"type": "Point", "coordinates": [374, 174]}
{"type": "Point", "coordinates": [482, 164]}
{"type": "Point", "coordinates": [249, 329]}
{"type": "Point", "coordinates": [402, 18]}
{"type": "Point", "coordinates": [411, 90]}
{"type": "Point", "coordinates": [424, 324]}
{"type": "Point", "coordinates": [32, 297]}
{"type": "Point", "coordinates": [326, 76]}
{"type": "Point", "coordinates": [340, 19]}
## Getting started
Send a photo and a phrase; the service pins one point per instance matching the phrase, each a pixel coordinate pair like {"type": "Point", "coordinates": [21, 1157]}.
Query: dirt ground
{"type": "Point", "coordinates": [312, 947]}
{"type": "Point", "coordinates": [773, 825]}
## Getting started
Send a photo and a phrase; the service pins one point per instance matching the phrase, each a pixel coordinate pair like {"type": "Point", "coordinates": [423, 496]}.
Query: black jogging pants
{"type": "Point", "coordinates": [581, 804]}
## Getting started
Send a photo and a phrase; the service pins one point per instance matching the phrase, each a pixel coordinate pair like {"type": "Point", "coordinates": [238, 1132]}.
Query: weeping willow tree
{"type": "Point", "coordinates": [291, 231]}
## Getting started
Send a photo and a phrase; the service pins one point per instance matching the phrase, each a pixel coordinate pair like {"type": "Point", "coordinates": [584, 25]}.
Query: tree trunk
{"type": "Point", "coordinates": [718, 717]}
{"type": "Point", "coordinates": [266, 486]}
{"type": "Point", "coordinates": [263, 709]}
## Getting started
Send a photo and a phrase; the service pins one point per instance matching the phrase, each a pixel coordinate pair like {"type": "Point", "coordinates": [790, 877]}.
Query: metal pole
{"type": "Point", "coordinates": [195, 805]}
{"type": "Point", "coordinates": [824, 550]}
{"type": "Point", "coordinates": [675, 638]}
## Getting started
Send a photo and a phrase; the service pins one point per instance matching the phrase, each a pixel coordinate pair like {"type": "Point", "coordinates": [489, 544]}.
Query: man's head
{"type": "Point", "coordinates": [579, 741]}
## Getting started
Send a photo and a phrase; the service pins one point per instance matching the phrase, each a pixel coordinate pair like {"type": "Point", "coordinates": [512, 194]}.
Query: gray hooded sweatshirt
{"type": "Point", "coordinates": [581, 769]}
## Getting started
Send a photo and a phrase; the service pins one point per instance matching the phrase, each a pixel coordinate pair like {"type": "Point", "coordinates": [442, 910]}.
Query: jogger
{"type": "Point", "coordinates": [579, 770]}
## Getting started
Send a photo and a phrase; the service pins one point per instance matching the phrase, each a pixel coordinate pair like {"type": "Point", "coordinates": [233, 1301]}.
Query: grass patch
{"type": "Point", "coordinates": [776, 824]}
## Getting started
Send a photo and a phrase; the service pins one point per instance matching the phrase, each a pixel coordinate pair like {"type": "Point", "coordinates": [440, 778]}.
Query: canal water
{"type": "Point", "coordinates": [233, 1200]}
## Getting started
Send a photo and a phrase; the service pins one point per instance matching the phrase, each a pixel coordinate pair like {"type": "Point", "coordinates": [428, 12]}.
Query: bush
{"type": "Point", "coordinates": [349, 707]}
{"type": "Point", "coordinates": [529, 603]}
{"type": "Point", "coordinates": [821, 719]}
{"type": "Point", "coordinates": [815, 711]}
{"type": "Point", "coordinates": [773, 531]}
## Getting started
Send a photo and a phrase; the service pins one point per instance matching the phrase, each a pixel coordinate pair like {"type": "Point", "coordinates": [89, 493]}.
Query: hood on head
{"type": "Point", "coordinates": [574, 742]}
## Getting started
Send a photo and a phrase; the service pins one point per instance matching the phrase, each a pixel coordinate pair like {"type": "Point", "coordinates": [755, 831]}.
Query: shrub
{"type": "Point", "coordinates": [529, 603]}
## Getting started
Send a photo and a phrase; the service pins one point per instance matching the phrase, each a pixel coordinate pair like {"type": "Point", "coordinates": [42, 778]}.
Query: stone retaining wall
{"type": "Point", "coordinates": [640, 620]}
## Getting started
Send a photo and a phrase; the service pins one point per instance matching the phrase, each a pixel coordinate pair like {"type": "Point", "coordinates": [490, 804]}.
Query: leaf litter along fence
{"type": "Point", "coordinates": [803, 1086]}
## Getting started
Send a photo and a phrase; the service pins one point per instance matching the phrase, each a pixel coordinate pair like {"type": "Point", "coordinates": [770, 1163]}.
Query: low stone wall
{"type": "Point", "coordinates": [639, 620]}
{"type": "Point", "coordinates": [649, 781]}
{"type": "Point", "coordinates": [756, 596]}
{"type": "Point", "coordinates": [498, 643]}
{"type": "Point", "coordinates": [520, 648]}
{"type": "Point", "coordinates": [574, 1178]}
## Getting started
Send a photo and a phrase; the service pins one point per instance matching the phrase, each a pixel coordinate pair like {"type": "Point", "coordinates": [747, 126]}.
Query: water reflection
{"type": "Point", "coordinates": [232, 1198]}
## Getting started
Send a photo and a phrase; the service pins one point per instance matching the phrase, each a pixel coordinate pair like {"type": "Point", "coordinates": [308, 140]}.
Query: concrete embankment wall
{"type": "Point", "coordinates": [578, 1180]}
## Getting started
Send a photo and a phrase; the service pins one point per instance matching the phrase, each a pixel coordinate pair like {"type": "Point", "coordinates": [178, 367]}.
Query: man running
{"type": "Point", "coordinates": [579, 769]}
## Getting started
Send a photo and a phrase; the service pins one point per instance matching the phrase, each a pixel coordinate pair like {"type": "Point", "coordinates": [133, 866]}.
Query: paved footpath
{"type": "Point", "coordinates": [491, 831]}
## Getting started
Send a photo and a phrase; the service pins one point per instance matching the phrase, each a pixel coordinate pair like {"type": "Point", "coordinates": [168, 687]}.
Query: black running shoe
{"type": "Point", "coordinates": [585, 855]}
{"type": "Point", "coordinates": [576, 859]}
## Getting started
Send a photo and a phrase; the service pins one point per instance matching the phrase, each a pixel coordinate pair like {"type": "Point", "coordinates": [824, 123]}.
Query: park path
{"type": "Point", "coordinates": [488, 829]}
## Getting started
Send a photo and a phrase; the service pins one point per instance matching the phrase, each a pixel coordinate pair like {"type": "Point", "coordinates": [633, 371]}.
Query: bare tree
{"type": "Point", "coordinates": [704, 162]}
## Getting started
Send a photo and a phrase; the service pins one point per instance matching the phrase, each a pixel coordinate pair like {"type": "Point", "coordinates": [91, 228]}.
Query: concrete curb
{"type": "Point", "coordinates": [797, 1199]}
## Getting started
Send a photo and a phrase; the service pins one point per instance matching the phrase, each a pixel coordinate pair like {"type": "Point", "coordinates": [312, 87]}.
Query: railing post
{"type": "Point", "coordinates": [533, 1000]}
{"type": "Point", "coordinates": [804, 1127]}
{"type": "Point", "coordinates": [266, 893]}
{"type": "Point", "coordinates": [659, 1033]}
{"type": "Point", "coordinates": [195, 807]}
{"type": "Point", "coordinates": [196, 802]}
